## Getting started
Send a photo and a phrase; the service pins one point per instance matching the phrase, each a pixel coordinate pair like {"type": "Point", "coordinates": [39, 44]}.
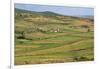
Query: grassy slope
{"type": "Point", "coordinates": [69, 45]}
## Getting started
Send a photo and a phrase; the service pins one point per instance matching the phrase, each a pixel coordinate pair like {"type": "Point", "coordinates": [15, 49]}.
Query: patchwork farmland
{"type": "Point", "coordinates": [47, 37]}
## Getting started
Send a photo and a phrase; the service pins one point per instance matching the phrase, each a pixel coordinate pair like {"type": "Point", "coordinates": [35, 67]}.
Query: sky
{"type": "Point", "coordinates": [64, 10]}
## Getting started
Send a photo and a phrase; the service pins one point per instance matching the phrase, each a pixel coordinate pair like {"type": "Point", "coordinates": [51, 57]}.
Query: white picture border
{"type": "Point", "coordinates": [69, 65]}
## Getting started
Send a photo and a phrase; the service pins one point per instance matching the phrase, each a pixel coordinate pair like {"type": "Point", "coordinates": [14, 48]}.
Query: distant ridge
{"type": "Point", "coordinates": [52, 14]}
{"type": "Point", "coordinates": [38, 13]}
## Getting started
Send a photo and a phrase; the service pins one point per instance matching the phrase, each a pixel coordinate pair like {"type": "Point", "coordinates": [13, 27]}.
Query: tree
{"type": "Point", "coordinates": [22, 36]}
{"type": "Point", "coordinates": [88, 30]}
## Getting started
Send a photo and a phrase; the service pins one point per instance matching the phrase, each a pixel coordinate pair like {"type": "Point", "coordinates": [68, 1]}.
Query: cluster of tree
{"type": "Point", "coordinates": [82, 59]}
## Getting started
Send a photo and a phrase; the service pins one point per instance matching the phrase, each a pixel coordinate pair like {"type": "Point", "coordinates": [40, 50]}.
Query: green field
{"type": "Point", "coordinates": [41, 39]}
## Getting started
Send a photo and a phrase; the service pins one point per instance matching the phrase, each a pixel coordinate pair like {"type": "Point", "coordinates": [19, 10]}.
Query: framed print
{"type": "Point", "coordinates": [49, 34]}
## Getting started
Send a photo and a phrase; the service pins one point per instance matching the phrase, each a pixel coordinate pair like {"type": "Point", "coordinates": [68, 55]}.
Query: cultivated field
{"type": "Point", "coordinates": [46, 37]}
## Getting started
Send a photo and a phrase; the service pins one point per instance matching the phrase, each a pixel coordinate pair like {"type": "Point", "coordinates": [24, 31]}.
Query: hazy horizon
{"type": "Point", "coordinates": [63, 10]}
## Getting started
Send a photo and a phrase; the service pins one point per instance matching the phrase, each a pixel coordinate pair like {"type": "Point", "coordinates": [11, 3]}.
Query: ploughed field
{"type": "Point", "coordinates": [42, 38]}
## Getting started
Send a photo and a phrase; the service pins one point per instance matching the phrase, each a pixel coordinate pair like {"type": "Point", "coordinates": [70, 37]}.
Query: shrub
{"type": "Point", "coordinates": [80, 59]}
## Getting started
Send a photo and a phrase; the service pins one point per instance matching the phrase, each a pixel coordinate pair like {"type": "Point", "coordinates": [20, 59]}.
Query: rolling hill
{"type": "Point", "coordinates": [48, 37]}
